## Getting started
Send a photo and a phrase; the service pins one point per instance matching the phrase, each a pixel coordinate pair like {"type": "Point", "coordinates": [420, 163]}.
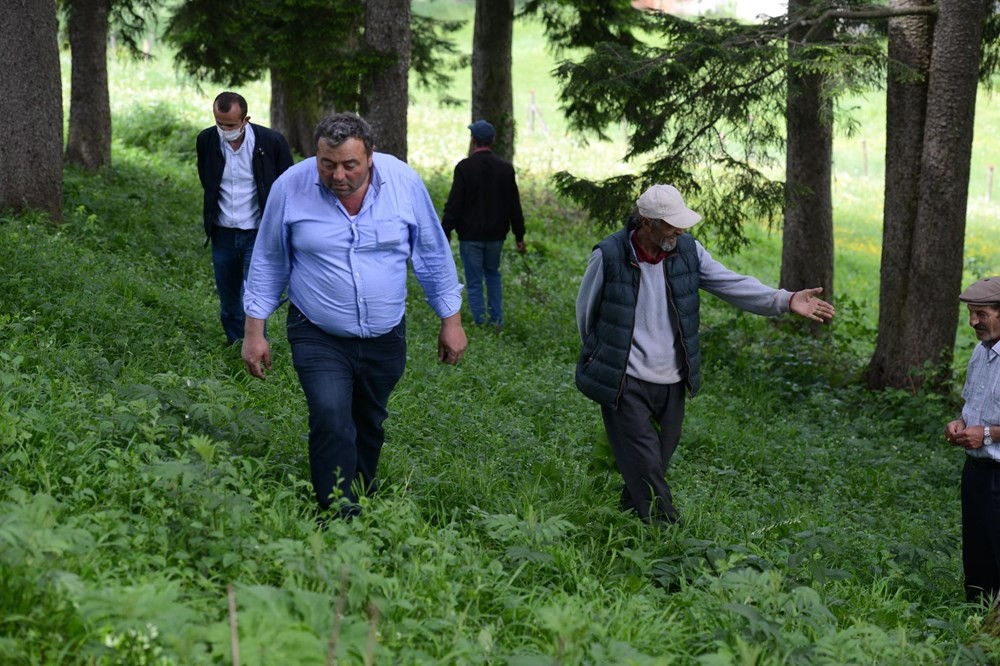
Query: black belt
{"type": "Point", "coordinates": [985, 463]}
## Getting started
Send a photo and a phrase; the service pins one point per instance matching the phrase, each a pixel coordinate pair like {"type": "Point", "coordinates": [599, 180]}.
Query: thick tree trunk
{"type": "Point", "coordinates": [910, 40]}
{"type": "Point", "coordinates": [296, 118]}
{"type": "Point", "coordinates": [934, 270]}
{"type": "Point", "coordinates": [807, 236]}
{"type": "Point", "coordinates": [89, 143]}
{"type": "Point", "coordinates": [31, 117]}
{"type": "Point", "coordinates": [385, 93]}
{"type": "Point", "coordinates": [492, 85]}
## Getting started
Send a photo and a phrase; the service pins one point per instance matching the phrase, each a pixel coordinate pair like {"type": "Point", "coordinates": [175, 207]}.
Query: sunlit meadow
{"type": "Point", "coordinates": [154, 502]}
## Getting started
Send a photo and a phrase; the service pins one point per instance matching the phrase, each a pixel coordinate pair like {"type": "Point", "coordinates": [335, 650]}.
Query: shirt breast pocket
{"type": "Point", "coordinates": [383, 234]}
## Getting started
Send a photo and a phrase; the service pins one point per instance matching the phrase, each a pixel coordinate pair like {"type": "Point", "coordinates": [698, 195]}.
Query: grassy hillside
{"type": "Point", "coordinates": [143, 472]}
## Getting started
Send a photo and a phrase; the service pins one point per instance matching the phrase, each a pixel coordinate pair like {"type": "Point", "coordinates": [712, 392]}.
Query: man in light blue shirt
{"type": "Point", "coordinates": [338, 231]}
{"type": "Point", "coordinates": [974, 432]}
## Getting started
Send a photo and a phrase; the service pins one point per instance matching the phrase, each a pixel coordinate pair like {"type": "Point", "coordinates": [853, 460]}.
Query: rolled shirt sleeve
{"type": "Point", "coordinates": [431, 257]}
{"type": "Point", "coordinates": [348, 273]}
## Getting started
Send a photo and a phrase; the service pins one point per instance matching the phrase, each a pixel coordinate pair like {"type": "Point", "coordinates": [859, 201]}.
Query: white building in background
{"type": "Point", "coordinates": [747, 10]}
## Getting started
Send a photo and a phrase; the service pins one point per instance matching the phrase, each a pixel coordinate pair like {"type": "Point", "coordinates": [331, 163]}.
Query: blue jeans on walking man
{"type": "Point", "coordinates": [232, 250]}
{"type": "Point", "coordinates": [481, 261]}
{"type": "Point", "coordinates": [347, 382]}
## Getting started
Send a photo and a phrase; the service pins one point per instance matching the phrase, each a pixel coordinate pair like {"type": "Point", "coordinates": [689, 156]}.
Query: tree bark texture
{"type": "Point", "coordinates": [89, 144]}
{"type": "Point", "coordinates": [31, 117]}
{"type": "Point", "coordinates": [910, 41]}
{"type": "Point", "coordinates": [807, 235]}
{"type": "Point", "coordinates": [385, 93]}
{"type": "Point", "coordinates": [933, 273]}
{"type": "Point", "coordinates": [292, 115]}
{"type": "Point", "coordinates": [492, 83]}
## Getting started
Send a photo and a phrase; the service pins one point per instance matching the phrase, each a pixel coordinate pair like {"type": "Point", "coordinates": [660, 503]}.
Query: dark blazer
{"type": "Point", "coordinates": [271, 156]}
{"type": "Point", "coordinates": [484, 203]}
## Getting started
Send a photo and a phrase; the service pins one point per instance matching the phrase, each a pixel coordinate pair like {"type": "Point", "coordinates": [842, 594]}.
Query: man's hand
{"type": "Point", "coordinates": [806, 304]}
{"type": "Point", "coordinates": [968, 438]}
{"type": "Point", "coordinates": [256, 352]}
{"type": "Point", "coordinates": [451, 340]}
{"type": "Point", "coordinates": [952, 429]}
{"type": "Point", "coordinates": [521, 247]}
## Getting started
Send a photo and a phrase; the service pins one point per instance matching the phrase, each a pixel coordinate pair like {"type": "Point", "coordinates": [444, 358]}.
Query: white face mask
{"type": "Point", "coordinates": [230, 135]}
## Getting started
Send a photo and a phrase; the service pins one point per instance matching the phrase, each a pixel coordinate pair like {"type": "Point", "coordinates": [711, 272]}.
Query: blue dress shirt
{"type": "Point", "coordinates": [982, 395]}
{"type": "Point", "coordinates": [348, 274]}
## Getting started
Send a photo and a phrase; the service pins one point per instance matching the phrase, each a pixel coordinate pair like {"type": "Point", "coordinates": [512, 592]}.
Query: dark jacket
{"type": "Point", "coordinates": [484, 203]}
{"type": "Point", "coordinates": [271, 156]}
{"type": "Point", "coordinates": [600, 372]}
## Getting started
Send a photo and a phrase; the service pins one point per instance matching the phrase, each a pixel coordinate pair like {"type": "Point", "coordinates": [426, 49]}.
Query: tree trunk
{"type": "Point", "coordinates": [807, 236]}
{"type": "Point", "coordinates": [385, 93]}
{"type": "Point", "coordinates": [934, 270]}
{"type": "Point", "coordinates": [910, 40]}
{"type": "Point", "coordinates": [492, 85]}
{"type": "Point", "coordinates": [31, 117]}
{"type": "Point", "coordinates": [89, 143]}
{"type": "Point", "coordinates": [296, 118]}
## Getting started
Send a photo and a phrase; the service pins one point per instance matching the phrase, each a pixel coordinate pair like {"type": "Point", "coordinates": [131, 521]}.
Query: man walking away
{"type": "Point", "coordinates": [483, 205]}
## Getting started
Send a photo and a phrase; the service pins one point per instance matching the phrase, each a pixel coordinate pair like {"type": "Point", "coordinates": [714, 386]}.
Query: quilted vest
{"type": "Point", "coordinates": [600, 371]}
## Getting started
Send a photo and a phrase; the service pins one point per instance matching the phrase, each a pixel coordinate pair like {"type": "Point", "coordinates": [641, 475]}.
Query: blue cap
{"type": "Point", "coordinates": [482, 131]}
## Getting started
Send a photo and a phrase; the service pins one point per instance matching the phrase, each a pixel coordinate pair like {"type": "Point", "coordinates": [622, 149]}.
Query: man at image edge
{"type": "Point", "coordinates": [974, 432]}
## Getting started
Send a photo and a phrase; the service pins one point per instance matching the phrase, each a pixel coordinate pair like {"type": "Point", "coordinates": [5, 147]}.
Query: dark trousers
{"type": "Point", "coordinates": [644, 432]}
{"type": "Point", "coordinates": [981, 528]}
{"type": "Point", "coordinates": [347, 382]}
{"type": "Point", "coordinates": [232, 250]}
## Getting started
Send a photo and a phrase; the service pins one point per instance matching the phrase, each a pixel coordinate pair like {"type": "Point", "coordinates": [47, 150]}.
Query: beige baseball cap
{"type": "Point", "coordinates": [664, 202]}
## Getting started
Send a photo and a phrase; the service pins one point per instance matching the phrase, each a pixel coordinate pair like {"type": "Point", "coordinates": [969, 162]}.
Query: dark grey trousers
{"type": "Point", "coordinates": [644, 431]}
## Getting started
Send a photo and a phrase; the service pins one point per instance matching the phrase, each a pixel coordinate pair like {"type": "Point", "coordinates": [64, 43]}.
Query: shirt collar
{"type": "Point", "coordinates": [644, 256]}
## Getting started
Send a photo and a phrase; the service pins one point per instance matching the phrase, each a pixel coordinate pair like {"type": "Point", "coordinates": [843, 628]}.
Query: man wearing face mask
{"type": "Point", "coordinates": [638, 317]}
{"type": "Point", "coordinates": [237, 163]}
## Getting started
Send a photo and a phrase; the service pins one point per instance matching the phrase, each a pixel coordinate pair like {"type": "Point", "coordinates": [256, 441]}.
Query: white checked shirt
{"type": "Point", "coordinates": [982, 395]}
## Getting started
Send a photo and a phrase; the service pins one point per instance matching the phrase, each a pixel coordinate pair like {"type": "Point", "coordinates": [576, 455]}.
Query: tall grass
{"type": "Point", "coordinates": [144, 472]}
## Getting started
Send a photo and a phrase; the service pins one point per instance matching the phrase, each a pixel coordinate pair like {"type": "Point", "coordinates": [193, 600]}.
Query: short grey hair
{"type": "Point", "coordinates": [340, 127]}
{"type": "Point", "coordinates": [635, 218]}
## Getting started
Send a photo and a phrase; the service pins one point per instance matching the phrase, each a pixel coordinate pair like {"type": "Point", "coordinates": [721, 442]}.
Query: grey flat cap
{"type": "Point", "coordinates": [986, 290]}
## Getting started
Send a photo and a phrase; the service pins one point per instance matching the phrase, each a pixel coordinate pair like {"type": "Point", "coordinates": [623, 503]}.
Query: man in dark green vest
{"type": "Point", "coordinates": [637, 312]}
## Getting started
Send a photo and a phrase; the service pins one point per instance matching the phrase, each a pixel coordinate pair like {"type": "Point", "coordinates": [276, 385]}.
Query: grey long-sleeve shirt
{"type": "Point", "coordinates": [653, 357]}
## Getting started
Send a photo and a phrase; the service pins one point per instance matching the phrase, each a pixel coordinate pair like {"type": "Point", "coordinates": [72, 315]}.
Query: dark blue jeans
{"type": "Point", "coordinates": [232, 250]}
{"type": "Point", "coordinates": [347, 382]}
{"type": "Point", "coordinates": [481, 261]}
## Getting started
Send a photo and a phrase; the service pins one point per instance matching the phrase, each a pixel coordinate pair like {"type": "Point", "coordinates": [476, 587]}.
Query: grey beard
{"type": "Point", "coordinates": [668, 244]}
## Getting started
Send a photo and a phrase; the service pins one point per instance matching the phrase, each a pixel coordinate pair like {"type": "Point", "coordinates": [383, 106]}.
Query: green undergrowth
{"type": "Point", "coordinates": [143, 472]}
